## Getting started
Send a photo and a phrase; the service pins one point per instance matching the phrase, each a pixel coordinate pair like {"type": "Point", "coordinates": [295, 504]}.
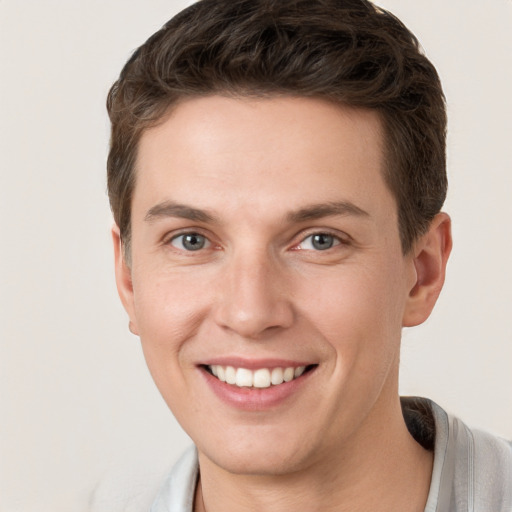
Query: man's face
{"type": "Point", "coordinates": [264, 238]}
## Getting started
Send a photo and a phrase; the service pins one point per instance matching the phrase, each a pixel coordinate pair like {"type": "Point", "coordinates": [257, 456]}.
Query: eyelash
{"type": "Point", "coordinates": [207, 241]}
{"type": "Point", "coordinates": [336, 241]}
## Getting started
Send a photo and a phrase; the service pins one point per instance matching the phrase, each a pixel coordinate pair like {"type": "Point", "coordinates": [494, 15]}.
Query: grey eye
{"type": "Point", "coordinates": [322, 241]}
{"type": "Point", "coordinates": [190, 242]}
{"type": "Point", "coordinates": [319, 242]}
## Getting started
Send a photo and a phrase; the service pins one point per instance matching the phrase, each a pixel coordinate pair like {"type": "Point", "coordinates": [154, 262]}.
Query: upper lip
{"type": "Point", "coordinates": [255, 363]}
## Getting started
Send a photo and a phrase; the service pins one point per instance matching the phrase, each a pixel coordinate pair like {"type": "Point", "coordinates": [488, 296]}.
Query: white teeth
{"type": "Point", "coordinates": [243, 378]}
{"type": "Point", "coordinates": [288, 374]}
{"type": "Point", "coordinates": [277, 376]}
{"type": "Point", "coordinates": [261, 378]}
{"type": "Point", "coordinates": [299, 371]}
{"type": "Point", "coordinates": [230, 375]}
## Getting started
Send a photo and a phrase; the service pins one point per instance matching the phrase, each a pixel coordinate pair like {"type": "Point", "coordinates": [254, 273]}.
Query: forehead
{"type": "Point", "coordinates": [262, 154]}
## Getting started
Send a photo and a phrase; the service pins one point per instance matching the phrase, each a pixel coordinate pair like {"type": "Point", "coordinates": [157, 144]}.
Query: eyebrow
{"type": "Point", "coordinates": [312, 212]}
{"type": "Point", "coordinates": [172, 209]}
{"type": "Point", "coordinates": [318, 211]}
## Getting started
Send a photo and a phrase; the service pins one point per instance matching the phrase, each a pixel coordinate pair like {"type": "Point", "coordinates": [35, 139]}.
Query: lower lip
{"type": "Point", "coordinates": [255, 399]}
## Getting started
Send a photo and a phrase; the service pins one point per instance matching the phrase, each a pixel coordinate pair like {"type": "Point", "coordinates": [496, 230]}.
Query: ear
{"type": "Point", "coordinates": [124, 279]}
{"type": "Point", "coordinates": [429, 257]}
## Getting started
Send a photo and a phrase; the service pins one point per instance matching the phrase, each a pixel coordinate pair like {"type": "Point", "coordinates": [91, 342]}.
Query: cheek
{"type": "Point", "coordinates": [359, 312]}
{"type": "Point", "coordinates": [167, 304]}
{"type": "Point", "coordinates": [169, 309]}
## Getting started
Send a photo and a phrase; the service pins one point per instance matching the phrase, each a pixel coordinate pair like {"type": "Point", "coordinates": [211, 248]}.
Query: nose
{"type": "Point", "coordinates": [253, 299]}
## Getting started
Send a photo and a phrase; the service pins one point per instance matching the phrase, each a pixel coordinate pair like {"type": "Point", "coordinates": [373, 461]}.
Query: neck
{"type": "Point", "coordinates": [379, 468]}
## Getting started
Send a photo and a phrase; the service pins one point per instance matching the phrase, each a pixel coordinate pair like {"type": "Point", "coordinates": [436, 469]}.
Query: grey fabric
{"type": "Point", "coordinates": [472, 472]}
{"type": "Point", "coordinates": [177, 492]}
{"type": "Point", "coordinates": [472, 469]}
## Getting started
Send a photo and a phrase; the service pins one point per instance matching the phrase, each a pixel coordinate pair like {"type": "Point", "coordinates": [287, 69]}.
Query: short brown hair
{"type": "Point", "coordinates": [347, 51]}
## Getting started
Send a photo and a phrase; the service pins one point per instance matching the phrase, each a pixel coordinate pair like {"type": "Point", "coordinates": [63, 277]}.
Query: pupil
{"type": "Point", "coordinates": [322, 241]}
{"type": "Point", "coordinates": [193, 242]}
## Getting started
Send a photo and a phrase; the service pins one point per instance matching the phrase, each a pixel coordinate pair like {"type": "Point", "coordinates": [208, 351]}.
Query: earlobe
{"type": "Point", "coordinates": [430, 257]}
{"type": "Point", "coordinates": [124, 279]}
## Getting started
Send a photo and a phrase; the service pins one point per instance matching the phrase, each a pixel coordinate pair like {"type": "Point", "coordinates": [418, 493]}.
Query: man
{"type": "Point", "coordinates": [276, 174]}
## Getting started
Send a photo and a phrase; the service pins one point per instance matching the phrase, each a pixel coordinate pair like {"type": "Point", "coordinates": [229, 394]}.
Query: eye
{"type": "Point", "coordinates": [319, 242]}
{"type": "Point", "coordinates": [190, 242]}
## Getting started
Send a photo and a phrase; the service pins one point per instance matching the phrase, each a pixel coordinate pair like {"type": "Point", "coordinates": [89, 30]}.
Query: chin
{"type": "Point", "coordinates": [261, 454]}
{"type": "Point", "coordinates": [263, 464]}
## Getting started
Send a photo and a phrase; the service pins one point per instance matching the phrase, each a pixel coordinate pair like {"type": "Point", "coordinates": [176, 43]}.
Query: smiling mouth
{"type": "Point", "coordinates": [260, 378]}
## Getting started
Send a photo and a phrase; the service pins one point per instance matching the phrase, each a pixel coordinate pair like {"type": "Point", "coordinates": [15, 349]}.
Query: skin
{"type": "Point", "coordinates": [257, 179]}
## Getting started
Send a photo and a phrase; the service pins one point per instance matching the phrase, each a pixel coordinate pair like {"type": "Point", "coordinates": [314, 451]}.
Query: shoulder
{"type": "Point", "coordinates": [472, 468]}
{"type": "Point", "coordinates": [492, 470]}
{"type": "Point", "coordinates": [177, 492]}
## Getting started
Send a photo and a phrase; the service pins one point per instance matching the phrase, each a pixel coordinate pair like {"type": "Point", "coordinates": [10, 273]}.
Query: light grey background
{"type": "Point", "coordinates": [78, 409]}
